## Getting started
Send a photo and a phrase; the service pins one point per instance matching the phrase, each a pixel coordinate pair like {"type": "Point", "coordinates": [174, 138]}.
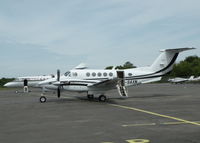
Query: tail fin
{"type": "Point", "coordinates": [165, 61]}
{"type": "Point", "coordinates": [191, 78]}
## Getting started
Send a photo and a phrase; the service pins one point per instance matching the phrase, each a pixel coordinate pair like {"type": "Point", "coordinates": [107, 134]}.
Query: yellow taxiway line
{"type": "Point", "coordinates": [156, 114]}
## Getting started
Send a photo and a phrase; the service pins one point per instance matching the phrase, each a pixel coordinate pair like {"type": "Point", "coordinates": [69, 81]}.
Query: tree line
{"type": "Point", "coordinates": [126, 65]}
{"type": "Point", "coordinates": [188, 67]}
{"type": "Point", "coordinates": [5, 80]}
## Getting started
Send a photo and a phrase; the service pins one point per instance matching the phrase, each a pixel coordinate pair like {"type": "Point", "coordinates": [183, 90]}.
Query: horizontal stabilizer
{"type": "Point", "coordinates": [177, 49]}
{"type": "Point", "coordinates": [165, 61]}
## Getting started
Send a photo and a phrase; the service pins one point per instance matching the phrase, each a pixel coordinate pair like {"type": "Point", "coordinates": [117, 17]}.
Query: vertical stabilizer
{"type": "Point", "coordinates": [165, 61]}
{"type": "Point", "coordinates": [191, 78]}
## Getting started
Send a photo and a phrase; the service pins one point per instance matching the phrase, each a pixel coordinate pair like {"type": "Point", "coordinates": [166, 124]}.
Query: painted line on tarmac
{"type": "Point", "coordinates": [156, 114]}
{"type": "Point", "coordinates": [176, 123]}
{"type": "Point", "coordinates": [154, 124]}
{"type": "Point", "coordinates": [135, 125]}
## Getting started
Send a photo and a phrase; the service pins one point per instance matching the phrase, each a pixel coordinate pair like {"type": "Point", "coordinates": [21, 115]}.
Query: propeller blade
{"type": "Point", "coordinates": [58, 92]}
{"type": "Point", "coordinates": [58, 75]}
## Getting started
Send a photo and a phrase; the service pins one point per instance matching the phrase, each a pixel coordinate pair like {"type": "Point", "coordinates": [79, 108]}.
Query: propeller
{"type": "Point", "coordinates": [58, 91]}
{"type": "Point", "coordinates": [58, 79]}
{"type": "Point", "coordinates": [58, 75]}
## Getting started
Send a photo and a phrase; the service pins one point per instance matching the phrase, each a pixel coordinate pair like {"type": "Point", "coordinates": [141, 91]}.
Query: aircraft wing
{"type": "Point", "coordinates": [110, 84]}
{"type": "Point", "coordinates": [106, 84]}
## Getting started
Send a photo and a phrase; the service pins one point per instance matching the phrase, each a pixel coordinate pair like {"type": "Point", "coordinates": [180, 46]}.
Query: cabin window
{"type": "Point", "coordinates": [110, 74]}
{"type": "Point", "coordinates": [104, 74]}
{"type": "Point", "coordinates": [93, 74]}
{"type": "Point", "coordinates": [75, 74]}
{"type": "Point", "coordinates": [130, 74]}
{"type": "Point", "coordinates": [99, 74]}
{"type": "Point", "coordinates": [87, 74]}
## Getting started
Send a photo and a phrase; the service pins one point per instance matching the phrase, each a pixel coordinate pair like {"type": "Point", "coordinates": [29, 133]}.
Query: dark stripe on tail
{"type": "Point", "coordinates": [170, 64]}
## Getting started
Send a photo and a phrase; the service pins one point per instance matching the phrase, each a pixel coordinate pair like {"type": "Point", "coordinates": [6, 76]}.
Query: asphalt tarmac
{"type": "Point", "coordinates": [153, 113]}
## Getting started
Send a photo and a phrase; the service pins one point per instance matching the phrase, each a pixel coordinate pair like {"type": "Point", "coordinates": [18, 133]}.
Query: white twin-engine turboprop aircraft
{"type": "Point", "coordinates": [98, 82]}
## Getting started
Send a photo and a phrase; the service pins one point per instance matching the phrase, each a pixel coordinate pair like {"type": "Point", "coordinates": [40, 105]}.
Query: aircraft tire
{"type": "Point", "coordinates": [102, 98]}
{"type": "Point", "coordinates": [43, 99]}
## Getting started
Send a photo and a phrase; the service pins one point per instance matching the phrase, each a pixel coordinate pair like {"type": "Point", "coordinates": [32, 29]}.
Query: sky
{"type": "Point", "coordinates": [38, 37]}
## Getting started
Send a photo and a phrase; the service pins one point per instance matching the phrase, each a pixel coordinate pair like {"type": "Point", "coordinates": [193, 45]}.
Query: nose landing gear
{"type": "Point", "coordinates": [43, 99]}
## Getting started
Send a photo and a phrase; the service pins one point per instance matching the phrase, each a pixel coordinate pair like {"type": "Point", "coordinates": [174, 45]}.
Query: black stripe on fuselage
{"type": "Point", "coordinates": [77, 84]}
{"type": "Point", "coordinates": [133, 78]}
{"type": "Point", "coordinates": [170, 64]}
{"type": "Point", "coordinates": [153, 76]}
{"type": "Point", "coordinates": [96, 78]}
{"type": "Point", "coordinates": [83, 81]}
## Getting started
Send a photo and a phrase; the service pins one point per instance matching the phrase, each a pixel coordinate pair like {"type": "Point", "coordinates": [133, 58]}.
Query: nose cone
{"type": "Point", "coordinates": [9, 84]}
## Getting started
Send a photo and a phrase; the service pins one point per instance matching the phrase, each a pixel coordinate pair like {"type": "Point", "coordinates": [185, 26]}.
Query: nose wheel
{"type": "Point", "coordinates": [43, 99]}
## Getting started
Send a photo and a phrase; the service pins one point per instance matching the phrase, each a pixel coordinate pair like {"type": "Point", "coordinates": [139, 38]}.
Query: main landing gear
{"type": "Point", "coordinates": [101, 98]}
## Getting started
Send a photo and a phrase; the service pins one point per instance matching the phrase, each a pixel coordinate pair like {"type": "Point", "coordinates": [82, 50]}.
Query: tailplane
{"type": "Point", "coordinates": [191, 78]}
{"type": "Point", "coordinates": [165, 61]}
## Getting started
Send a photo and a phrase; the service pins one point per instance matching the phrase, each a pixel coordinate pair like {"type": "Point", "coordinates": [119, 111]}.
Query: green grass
{"type": "Point", "coordinates": [3, 88]}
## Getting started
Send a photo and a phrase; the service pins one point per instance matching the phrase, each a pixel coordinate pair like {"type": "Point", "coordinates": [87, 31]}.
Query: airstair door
{"type": "Point", "coordinates": [121, 84]}
{"type": "Point", "coordinates": [120, 75]}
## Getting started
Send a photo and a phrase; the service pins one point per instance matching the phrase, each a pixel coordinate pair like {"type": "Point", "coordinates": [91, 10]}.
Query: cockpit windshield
{"type": "Point", "coordinates": [67, 73]}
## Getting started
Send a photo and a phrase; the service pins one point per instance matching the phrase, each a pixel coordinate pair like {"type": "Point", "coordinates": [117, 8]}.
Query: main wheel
{"type": "Point", "coordinates": [90, 96]}
{"type": "Point", "coordinates": [102, 98]}
{"type": "Point", "coordinates": [43, 99]}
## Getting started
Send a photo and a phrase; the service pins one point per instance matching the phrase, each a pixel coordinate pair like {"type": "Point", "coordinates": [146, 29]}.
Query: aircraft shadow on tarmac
{"type": "Point", "coordinates": [82, 99]}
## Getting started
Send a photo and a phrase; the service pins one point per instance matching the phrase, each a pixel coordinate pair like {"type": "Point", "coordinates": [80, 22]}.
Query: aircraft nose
{"type": "Point", "coordinates": [7, 84]}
